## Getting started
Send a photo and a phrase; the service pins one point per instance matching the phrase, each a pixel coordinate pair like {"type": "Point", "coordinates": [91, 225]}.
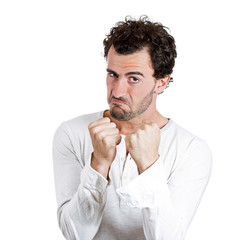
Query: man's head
{"type": "Point", "coordinates": [140, 56]}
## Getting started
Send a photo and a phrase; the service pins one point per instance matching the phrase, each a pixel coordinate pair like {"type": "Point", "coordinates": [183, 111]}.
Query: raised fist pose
{"type": "Point", "coordinates": [143, 143]}
{"type": "Point", "coordinates": [156, 195]}
{"type": "Point", "coordinates": [105, 136]}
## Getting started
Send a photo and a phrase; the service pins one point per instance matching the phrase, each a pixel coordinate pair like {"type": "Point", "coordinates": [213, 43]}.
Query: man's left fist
{"type": "Point", "coordinates": [143, 144]}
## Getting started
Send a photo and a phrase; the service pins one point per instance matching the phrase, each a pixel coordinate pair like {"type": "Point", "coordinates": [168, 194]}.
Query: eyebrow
{"type": "Point", "coordinates": [126, 74]}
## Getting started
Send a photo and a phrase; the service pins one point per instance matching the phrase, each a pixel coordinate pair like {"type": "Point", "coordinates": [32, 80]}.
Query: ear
{"type": "Point", "coordinates": [161, 84]}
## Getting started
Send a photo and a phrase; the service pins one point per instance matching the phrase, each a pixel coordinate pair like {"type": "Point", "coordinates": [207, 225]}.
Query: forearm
{"type": "Point", "coordinates": [150, 193]}
{"type": "Point", "coordinates": [100, 166]}
{"type": "Point", "coordinates": [168, 204]}
{"type": "Point", "coordinates": [85, 209]}
{"type": "Point", "coordinates": [80, 190]}
{"type": "Point", "coordinates": [163, 221]}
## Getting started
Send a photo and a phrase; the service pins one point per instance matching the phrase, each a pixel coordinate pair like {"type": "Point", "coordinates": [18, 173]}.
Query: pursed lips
{"type": "Point", "coordinates": [118, 101]}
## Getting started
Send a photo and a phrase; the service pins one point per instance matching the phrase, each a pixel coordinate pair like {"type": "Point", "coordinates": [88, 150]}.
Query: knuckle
{"type": "Point", "coordinates": [139, 131]}
{"type": "Point", "coordinates": [133, 137]}
{"type": "Point", "coordinates": [117, 131]}
{"type": "Point", "coordinates": [127, 139]}
{"type": "Point", "coordinates": [101, 135]}
{"type": "Point", "coordinates": [156, 127]}
{"type": "Point", "coordinates": [112, 124]}
{"type": "Point", "coordinates": [147, 121]}
{"type": "Point", "coordinates": [90, 126]}
{"type": "Point", "coordinates": [143, 126]}
{"type": "Point", "coordinates": [105, 141]}
{"type": "Point", "coordinates": [106, 119]}
{"type": "Point", "coordinates": [94, 131]}
{"type": "Point", "coordinates": [150, 124]}
{"type": "Point", "coordinates": [154, 124]}
{"type": "Point", "coordinates": [108, 141]}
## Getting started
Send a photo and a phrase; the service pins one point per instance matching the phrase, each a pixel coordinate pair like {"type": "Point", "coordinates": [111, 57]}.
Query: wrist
{"type": "Point", "coordinates": [100, 166]}
{"type": "Point", "coordinates": [147, 164]}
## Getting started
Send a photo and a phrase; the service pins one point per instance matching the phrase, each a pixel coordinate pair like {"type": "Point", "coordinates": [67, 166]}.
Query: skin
{"type": "Point", "coordinates": [131, 94]}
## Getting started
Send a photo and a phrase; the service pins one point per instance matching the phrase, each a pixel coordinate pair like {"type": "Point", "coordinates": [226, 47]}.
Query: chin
{"type": "Point", "coordinates": [118, 114]}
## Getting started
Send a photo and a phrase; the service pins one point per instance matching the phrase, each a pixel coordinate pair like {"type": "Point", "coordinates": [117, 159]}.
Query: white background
{"type": "Point", "coordinates": [52, 69]}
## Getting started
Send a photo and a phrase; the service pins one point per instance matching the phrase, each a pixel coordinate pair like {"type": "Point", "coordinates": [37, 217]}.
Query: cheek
{"type": "Point", "coordinates": [109, 84]}
{"type": "Point", "coordinates": [138, 93]}
{"type": "Point", "coordinates": [109, 90]}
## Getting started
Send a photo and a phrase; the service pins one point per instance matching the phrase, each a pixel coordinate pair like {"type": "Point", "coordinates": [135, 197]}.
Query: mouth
{"type": "Point", "coordinates": [119, 102]}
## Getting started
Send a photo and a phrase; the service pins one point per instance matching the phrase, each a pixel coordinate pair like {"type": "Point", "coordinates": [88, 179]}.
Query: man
{"type": "Point", "coordinates": [129, 172]}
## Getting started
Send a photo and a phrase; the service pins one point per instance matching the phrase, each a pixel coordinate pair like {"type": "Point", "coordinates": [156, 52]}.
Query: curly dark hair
{"type": "Point", "coordinates": [133, 35]}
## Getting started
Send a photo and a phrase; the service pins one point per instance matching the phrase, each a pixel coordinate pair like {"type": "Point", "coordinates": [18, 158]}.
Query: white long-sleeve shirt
{"type": "Point", "coordinates": [157, 204]}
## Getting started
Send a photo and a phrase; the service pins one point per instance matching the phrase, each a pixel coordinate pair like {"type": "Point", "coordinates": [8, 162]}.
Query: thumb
{"type": "Point", "coordinates": [119, 140]}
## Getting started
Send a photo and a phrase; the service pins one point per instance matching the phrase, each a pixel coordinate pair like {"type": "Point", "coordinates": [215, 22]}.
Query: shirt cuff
{"type": "Point", "coordinates": [144, 190]}
{"type": "Point", "coordinates": [93, 180]}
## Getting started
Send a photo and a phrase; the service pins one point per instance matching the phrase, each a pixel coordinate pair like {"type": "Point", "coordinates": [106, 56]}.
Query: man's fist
{"type": "Point", "coordinates": [105, 136]}
{"type": "Point", "coordinates": [143, 144]}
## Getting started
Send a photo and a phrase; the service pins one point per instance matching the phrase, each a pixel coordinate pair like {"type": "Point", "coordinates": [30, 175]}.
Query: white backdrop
{"type": "Point", "coordinates": [52, 69]}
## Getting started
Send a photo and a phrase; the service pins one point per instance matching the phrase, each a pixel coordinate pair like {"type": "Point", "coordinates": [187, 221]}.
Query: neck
{"type": "Point", "coordinates": [125, 126]}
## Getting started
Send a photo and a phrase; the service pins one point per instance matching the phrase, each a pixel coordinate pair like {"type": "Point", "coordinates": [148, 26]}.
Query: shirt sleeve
{"type": "Point", "coordinates": [80, 192]}
{"type": "Point", "coordinates": [168, 203]}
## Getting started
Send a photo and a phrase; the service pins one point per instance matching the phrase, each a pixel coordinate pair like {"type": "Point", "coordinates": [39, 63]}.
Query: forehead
{"type": "Point", "coordinates": [139, 61]}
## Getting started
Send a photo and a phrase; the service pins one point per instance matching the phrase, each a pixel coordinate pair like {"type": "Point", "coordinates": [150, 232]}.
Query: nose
{"type": "Point", "coordinates": [119, 88]}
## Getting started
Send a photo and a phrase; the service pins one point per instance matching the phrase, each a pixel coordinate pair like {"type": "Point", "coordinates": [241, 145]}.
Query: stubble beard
{"type": "Point", "coordinates": [121, 115]}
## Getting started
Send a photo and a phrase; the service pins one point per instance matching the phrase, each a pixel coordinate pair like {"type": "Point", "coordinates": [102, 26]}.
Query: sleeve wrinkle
{"type": "Point", "coordinates": [168, 213]}
{"type": "Point", "coordinates": [77, 204]}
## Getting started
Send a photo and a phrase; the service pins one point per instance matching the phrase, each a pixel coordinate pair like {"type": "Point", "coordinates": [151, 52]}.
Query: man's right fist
{"type": "Point", "coordinates": [105, 136]}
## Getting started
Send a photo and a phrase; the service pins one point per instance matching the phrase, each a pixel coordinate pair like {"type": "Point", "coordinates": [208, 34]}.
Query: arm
{"type": "Point", "coordinates": [80, 192]}
{"type": "Point", "coordinates": [169, 204]}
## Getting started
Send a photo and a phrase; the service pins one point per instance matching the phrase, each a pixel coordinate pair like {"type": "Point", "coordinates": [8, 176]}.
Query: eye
{"type": "Point", "coordinates": [133, 79]}
{"type": "Point", "coordinates": [112, 75]}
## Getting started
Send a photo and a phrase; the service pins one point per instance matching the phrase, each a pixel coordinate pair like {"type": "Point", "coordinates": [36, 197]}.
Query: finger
{"type": "Point", "coordinates": [131, 132]}
{"type": "Point", "coordinates": [107, 132]}
{"type": "Point", "coordinates": [103, 127]}
{"type": "Point", "coordinates": [130, 138]}
{"type": "Point", "coordinates": [112, 139]}
{"type": "Point", "coordinates": [128, 142]}
{"type": "Point", "coordinates": [148, 121]}
{"type": "Point", "coordinates": [118, 139]}
{"type": "Point", "coordinates": [99, 122]}
{"type": "Point", "coordinates": [137, 128]}
{"type": "Point", "coordinates": [142, 124]}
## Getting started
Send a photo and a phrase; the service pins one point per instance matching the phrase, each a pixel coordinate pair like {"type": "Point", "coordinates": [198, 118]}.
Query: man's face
{"type": "Point", "coordinates": [130, 84]}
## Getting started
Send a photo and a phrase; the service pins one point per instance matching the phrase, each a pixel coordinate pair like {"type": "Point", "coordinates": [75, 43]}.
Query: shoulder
{"type": "Point", "coordinates": [193, 146]}
{"type": "Point", "coordinates": [184, 141]}
{"type": "Point", "coordinates": [191, 154]}
{"type": "Point", "coordinates": [184, 136]}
